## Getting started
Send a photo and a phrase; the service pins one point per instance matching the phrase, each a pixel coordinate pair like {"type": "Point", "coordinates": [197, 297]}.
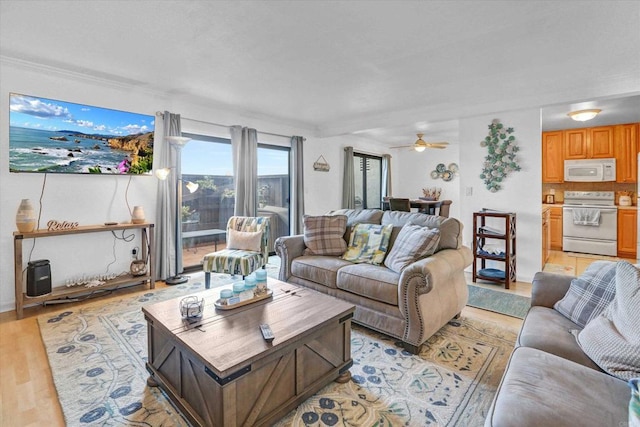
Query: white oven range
{"type": "Point", "coordinates": [590, 222]}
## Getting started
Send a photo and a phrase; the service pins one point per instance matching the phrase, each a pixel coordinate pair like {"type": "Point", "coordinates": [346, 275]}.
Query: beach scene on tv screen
{"type": "Point", "coordinates": [47, 135]}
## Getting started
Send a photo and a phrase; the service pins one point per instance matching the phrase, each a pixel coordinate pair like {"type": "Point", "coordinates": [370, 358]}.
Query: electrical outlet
{"type": "Point", "coordinates": [134, 253]}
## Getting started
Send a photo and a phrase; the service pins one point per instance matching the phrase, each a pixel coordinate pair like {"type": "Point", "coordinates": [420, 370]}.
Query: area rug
{"type": "Point", "coordinates": [97, 354]}
{"type": "Point", "coordinates": [560, 269]}
{"type": "Point", "coordinates": [498, 301]}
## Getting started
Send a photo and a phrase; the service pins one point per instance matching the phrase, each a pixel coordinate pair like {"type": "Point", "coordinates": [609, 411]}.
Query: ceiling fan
{"type": "Point", "coordinates": [421, 145]}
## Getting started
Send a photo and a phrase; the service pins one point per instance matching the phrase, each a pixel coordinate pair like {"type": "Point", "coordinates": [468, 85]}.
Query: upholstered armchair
{"type": "Point", "coordinates": [247, 248]}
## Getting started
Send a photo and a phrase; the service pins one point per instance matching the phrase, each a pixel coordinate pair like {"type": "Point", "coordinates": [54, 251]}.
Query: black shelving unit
{"type": "Point", "coordinates": [484, 234]}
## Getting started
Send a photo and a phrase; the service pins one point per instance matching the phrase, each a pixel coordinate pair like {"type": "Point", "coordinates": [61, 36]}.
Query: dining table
{"type": "Point", "coordinates": [422, 205]}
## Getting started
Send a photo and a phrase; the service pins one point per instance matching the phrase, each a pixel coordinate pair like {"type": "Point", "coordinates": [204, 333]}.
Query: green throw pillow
{"type": "Point", "coordinates": [368, 243]}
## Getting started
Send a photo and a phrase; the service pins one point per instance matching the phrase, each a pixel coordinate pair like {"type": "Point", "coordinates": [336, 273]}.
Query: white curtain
{"type": "Point", "coordinates": [348, 182]}
{"type": "Point", "coordinates": [167, 260]}
{"type": "Point", "coordinates": [297, 185]}
{"type": "Point", "coordinates": [386, 176]}
{"type": "Point", "coordinates": [244, 147]}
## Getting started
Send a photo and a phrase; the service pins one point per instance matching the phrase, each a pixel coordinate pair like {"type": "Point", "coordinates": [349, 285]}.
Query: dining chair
{"type": "Point", "coordinates": [444, 208]}
{"type": "Point", "coordinates": [399, 204]}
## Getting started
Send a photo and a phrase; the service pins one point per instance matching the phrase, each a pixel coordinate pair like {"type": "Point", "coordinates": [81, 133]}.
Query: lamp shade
{"type": "Point", "coordinates": [162, 173]}
{"type": "Point", "coordinates": [584, 115]}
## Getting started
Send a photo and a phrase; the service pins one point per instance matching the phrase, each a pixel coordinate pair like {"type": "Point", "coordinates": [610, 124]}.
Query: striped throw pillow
{"type": "Point", "coordinates": [589, 294]}
{"type": "Point", "coordinates": [413, 243]}
{"type": "Point", "coordinates": [323, 235]}
{"type": "Point", "coordinates": [612, 340]}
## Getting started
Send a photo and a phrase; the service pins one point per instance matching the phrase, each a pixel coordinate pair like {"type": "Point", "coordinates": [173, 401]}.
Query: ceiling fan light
{"type": "Point", "coordinates": [584, 115]}
{"type": "Point", "coordinates": [419, 148]}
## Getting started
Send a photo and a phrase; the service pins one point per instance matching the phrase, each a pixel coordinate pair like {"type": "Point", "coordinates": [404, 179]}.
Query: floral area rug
{"type": "Point", "coordinates": [98, 352]}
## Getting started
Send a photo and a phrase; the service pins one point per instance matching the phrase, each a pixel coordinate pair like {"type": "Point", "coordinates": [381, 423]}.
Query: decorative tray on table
{"type": "Point", "coordinates": [237, 301]}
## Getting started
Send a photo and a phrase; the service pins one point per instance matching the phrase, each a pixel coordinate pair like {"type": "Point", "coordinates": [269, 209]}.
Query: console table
{"type": "Point", "coordinates": [62, 292]}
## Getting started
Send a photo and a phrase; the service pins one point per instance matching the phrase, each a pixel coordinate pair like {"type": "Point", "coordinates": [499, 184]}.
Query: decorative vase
{"type": "Point", "coordinates": [26, 217]}
{"type": "Point", "coordinates": [137, 217]}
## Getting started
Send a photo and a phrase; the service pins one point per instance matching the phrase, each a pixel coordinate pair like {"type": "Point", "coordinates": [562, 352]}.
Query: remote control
{"type": "Point", "coordinates": [267, 333]}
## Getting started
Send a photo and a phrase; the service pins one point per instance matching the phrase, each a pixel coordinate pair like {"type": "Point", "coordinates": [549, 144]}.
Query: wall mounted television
{"type": "Point", "coordinates": [51, 136]}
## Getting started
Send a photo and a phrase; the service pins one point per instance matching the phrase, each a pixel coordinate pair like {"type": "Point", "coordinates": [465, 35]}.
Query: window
{"type": "Point", "coordinates": [274, 186]}
{"type": "Point", "coordinates": [207, 162]}
{"type": "Point", "coordinates": [368, 181]}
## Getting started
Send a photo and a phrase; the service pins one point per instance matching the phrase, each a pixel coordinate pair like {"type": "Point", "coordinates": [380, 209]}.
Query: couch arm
{"type": "Point", "coordinates": [442, 277]}
{"type": "Point", "coordinates": [288, 248]}
{"type": "Point", "coordinates": [549, 288]}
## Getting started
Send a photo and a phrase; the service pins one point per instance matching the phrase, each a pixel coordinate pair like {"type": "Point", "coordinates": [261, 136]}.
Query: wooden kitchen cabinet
{"type": "Point", "coordinates": [627, 233]}
{"type": "Point", "coordinates": [589, 143]}
{"type": "Point", "coordinates": [575, 144]}
{"type": "Point", "coordinates": [600, 142]}
{"type": "Point", "coordinates": [546, 237]}
{"type": "Point", "coordinates": [555, 228]}
{"type": "Point", "coordinates": [553, 156]}
{"type": "Point", "coordinates": [626, 149]}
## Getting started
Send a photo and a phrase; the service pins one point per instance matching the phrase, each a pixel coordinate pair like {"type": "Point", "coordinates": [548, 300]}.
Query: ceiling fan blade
{"type": "Point", "coordinates": [436, 146]}
{"type": "Point", "coordinates": [403, 146]}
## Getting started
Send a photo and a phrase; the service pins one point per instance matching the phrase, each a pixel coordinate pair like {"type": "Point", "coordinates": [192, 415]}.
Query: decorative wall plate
{"type": "Point", "coordinates": [447, 176]}
{"type": "Point", "coordinates": [453, 167]}
{"type": "Point", "coordinates": [441, 167]}
{"type": "Point", "coordinates": [435, 174]}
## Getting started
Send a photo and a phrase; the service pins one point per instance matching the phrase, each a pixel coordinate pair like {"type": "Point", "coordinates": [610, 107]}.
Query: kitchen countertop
{"type": "Point", "coordinates": [546, 206]}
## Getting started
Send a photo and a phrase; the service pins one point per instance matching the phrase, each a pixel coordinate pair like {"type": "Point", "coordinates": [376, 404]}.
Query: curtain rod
{"type": "Point", "coordinates": [160, 114]}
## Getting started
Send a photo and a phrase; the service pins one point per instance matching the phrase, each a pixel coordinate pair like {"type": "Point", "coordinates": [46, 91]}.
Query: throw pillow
{"type": "Point", "coordinates": [589, 294]}
{"type": "Point", "coordinates": [413, 243]}
{"type": "Point", "coordinates": [323, 235]}
{"type": "Point", "coordinates": [368, 243]}
{"type": "Point", "coordinates": [244, 240]}
{"type": "Point", "coordinates": [612, 340]}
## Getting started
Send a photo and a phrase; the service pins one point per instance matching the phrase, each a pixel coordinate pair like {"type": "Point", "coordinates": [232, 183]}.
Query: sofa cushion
{"type": "Point", "coordinates": [368, 243]}
{"type": "Point", "coordinates": [323, 235]}
{"type": "Point", "coordinates": [318, 269]}
{"type": "Point", "coordinates": [413, 243]}
{"type": "Point", "coordinates": [370, 281]}
{"type": "Point", "coordinates": [547, 330]}
{"type": "Point", "coordinates": [450, 228]}
{"type": "Point", "coordinates": [590, 293]}
{"type": "Point", "coordinates": [542, 389]}
{"type": "Point", "coordinates": [612, 339]}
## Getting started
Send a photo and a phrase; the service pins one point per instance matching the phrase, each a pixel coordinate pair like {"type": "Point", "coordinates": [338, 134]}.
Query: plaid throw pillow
{"type": "Point", "coordinates": [589, 294]}
{"type": "Point", "coordinates": [368, 243]}
{"type": "Point", "coordinates": [612, 339]}
{"type": "Point", "coordinates": [413, 243]}
{"type": "Point", "coordinates": [323, 235]}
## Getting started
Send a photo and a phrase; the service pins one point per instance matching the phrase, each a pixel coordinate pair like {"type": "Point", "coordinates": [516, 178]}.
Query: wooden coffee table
{"type": "Point", "coordinates": [219, 371]}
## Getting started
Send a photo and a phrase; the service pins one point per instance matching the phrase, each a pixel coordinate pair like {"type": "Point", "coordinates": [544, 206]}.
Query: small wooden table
{"type": "Point", "coordinates": [220, 371]}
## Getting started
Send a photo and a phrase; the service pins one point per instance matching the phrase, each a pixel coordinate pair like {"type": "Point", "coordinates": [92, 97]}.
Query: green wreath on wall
{"type": "Point", "coordinates": [501, 157]}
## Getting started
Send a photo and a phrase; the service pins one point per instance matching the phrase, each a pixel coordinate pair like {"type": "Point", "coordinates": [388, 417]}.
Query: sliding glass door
{"type": "Point", "coordinates": [274, 186]}
{"type": "Point", "coordinates": [367, 171]}
{"type": "Point", "coordinates": [207, 197]}
{"type": "Point", "coordinates": [208, 194]}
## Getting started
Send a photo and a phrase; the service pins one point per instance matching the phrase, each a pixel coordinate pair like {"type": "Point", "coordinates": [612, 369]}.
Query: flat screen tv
{"type": "Point", "coordinates": [51, 136]}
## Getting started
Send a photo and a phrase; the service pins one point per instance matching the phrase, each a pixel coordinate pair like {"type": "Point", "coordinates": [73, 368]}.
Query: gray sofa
{"type": "Point", "coordinates": [410, 306]}
{"type": "Point", "coordinates": [549, 380]}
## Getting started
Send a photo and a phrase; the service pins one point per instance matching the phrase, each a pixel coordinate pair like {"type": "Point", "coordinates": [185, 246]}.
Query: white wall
{"type": "Point", "coordinates": [90, 200]}
{"type": "Point", "coordinates": [521, 190]}
{"type": "Point", "coordinates": [412, 172]}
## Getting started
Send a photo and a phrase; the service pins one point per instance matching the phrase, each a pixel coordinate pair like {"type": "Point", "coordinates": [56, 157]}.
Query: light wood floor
{"type": "Point", "coordinates": [28, 396]}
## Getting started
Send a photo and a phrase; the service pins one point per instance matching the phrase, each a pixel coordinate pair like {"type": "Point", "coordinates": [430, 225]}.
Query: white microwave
{"type": "Point", "coordinates": [590, 170]}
